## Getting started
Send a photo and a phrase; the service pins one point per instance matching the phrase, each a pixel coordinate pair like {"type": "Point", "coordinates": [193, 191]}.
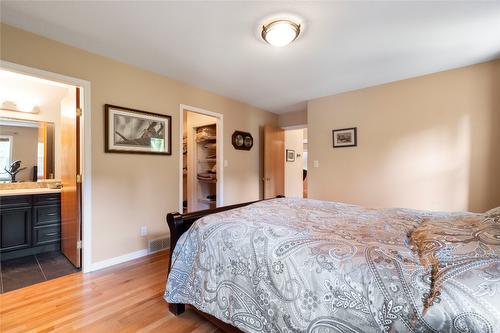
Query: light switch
{"type": "Point", "coordinates": [316, 164]}
{"type": "Point", "coordinates": [226, 163]}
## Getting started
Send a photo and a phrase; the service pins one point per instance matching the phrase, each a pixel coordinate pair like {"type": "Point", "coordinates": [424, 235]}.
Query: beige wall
{"type": "Point", "coordinates": [292, 119]}
{"type": "Point", "coordinates": [134, 190]}
{"type": "Point", "coordinates": [294, 140]}
{"type": "Point", "coordinates": [430, 142]}
{"type": "Point", "coordinates": [24, 148]}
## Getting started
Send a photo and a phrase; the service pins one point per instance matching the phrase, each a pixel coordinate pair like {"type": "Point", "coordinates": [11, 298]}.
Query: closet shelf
{"type": "Point", "coordinates": [207, 201]}
{"type": "Point", "coordinates": [206, 139]}
{"type": "Point", "coordinates": [208, 181]}
{"type": "Point", "coordinates": [203, 159]}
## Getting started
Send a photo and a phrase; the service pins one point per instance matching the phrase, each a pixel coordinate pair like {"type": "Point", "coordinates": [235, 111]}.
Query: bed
{"type": "Point", "coordinates": [302, 265]}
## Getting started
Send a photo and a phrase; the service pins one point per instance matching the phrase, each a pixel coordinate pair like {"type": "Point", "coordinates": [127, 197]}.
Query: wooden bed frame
{"type": "Point", "coordinates": [179, 224]}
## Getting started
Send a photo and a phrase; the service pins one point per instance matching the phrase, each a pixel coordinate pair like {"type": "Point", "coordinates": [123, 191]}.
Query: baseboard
{"type": "Point", "coordinates": [118, 260]}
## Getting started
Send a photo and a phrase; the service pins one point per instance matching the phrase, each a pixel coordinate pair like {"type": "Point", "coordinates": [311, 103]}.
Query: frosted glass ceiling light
{"type": "Point", "coordinates": [281, 32]}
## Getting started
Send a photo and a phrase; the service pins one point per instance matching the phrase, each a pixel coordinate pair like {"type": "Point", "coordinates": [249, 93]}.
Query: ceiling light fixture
{"type": "Point", "coordinates": [280, 32]}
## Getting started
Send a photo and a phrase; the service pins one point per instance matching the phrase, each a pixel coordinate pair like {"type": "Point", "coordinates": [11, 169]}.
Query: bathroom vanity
{"type": "Point", "coordinates": [30, 200]}
{"type": "Point", "coordinates": [30, 221]}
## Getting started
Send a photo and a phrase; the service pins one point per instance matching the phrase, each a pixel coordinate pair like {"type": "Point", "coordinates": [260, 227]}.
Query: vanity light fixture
{"type": "Point", "coordinates": [280, 33]}
{"type": "Point", "coordinates": [11, 106]}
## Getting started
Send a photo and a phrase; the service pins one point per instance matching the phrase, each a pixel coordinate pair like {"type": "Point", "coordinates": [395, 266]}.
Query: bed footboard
{"type": "Point", "coordinates": [180, 223]}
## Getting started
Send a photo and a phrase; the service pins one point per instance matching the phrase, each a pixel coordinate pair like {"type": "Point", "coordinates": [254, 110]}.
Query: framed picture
{"type": "Point", "coordinates": [136, 132]}
{"type": "Point", "coordinates": [345, 137]}
{"type": "Point", "coordinates": [242, 140]}
{"type": "Point", "coordinates": [290, 155]}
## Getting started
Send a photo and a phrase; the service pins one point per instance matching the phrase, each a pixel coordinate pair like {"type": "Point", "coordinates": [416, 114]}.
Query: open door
{"type": "Point", "coordinates": [274, 162]}
{"type": "Point", "coordinates": [70, 177]}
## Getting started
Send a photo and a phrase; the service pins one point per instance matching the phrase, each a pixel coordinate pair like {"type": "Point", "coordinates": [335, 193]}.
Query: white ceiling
{"type": "Point", "coordinates": [216, 45]}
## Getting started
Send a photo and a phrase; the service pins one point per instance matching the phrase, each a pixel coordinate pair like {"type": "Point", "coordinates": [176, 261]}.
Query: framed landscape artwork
{"type": "Point", "coordinates": [345, 137]}
{"type": "Point", "coordinates": [136, 132]}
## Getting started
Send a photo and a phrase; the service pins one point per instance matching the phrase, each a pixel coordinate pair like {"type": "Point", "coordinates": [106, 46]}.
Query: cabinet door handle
{"type": "Point", "coordinates": [51, 214]}
{"type": "Point", "coordinates": [52, 234]}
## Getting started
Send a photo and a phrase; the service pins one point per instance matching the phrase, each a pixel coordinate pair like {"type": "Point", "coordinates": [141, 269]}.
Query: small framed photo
{"type": "Point", "coordinates": [345, 137]}
{"type": "Point", "coordinates": [290, 155]}
{"type": "Point", "coordinates": [136, 132]}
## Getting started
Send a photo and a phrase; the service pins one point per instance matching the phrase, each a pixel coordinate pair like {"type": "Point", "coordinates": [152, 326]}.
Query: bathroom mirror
{"type": "Point", "coordinates": [32, 143]}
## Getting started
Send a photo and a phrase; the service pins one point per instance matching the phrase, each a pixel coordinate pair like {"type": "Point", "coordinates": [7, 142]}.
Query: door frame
{"type": "Point", "coordinates": [85, 149]}
{"type": "Point", "coordinates": [220, 150]}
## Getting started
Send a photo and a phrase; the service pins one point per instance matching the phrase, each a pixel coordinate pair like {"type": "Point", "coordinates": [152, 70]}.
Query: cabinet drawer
{"type": "Point", "coordinates": [46, 234]}
{"type": "Point", "coordinates": [49, 214]}
{"type": "Point", "coordinates": [15, 201]}
{"type": "Point", "coordinates": [47, 199]}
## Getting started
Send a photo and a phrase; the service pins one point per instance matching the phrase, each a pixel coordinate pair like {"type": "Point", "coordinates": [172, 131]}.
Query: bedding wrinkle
{"type": "Point", "coordinates": [307, 266]}
{"type": "Point", "coordinates": [454, 245]}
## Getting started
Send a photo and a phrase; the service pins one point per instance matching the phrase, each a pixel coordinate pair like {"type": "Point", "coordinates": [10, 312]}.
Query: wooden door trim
{"type": "Point", "coordinates": [86, 151]}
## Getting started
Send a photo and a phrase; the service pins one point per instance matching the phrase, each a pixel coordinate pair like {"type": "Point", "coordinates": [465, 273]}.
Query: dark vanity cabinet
{"type": "Point", "coordinates": [30, 224]}
{"type": "Point", "coordinates": [46, 219]}
{"type": "Point", "coordinates": [15, 228]}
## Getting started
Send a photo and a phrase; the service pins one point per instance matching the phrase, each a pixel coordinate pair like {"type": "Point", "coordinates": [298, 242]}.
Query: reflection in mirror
{"type": "Point", "coordinates": [32, 143]}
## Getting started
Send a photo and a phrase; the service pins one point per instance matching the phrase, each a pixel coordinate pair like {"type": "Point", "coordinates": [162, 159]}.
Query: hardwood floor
{"type": "Point", "coordinates": [123, 298]}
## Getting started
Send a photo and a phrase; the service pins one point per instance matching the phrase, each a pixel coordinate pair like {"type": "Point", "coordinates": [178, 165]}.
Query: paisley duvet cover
{"type": "Point", "coordinates": [301, 265]}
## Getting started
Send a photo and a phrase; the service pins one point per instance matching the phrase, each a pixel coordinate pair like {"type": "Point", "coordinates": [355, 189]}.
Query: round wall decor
{"type": "Point", "coordinates": [242, 140]}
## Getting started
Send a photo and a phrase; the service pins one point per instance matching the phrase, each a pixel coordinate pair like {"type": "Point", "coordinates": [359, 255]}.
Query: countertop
{"type": "Point", "coordinates": [28, 191]}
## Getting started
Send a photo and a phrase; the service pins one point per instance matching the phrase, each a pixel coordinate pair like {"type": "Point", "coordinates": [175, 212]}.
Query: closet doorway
{"type": "Point", "coordinates": [201, 179]}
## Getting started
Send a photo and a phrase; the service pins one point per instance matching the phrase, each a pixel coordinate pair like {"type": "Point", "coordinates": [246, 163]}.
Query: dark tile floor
{"type": "Point", "coordinates": [25, 271]}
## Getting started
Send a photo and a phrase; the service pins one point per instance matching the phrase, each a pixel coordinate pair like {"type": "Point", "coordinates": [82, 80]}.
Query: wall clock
{"type": "Point", "coordinates": [242, 140]}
